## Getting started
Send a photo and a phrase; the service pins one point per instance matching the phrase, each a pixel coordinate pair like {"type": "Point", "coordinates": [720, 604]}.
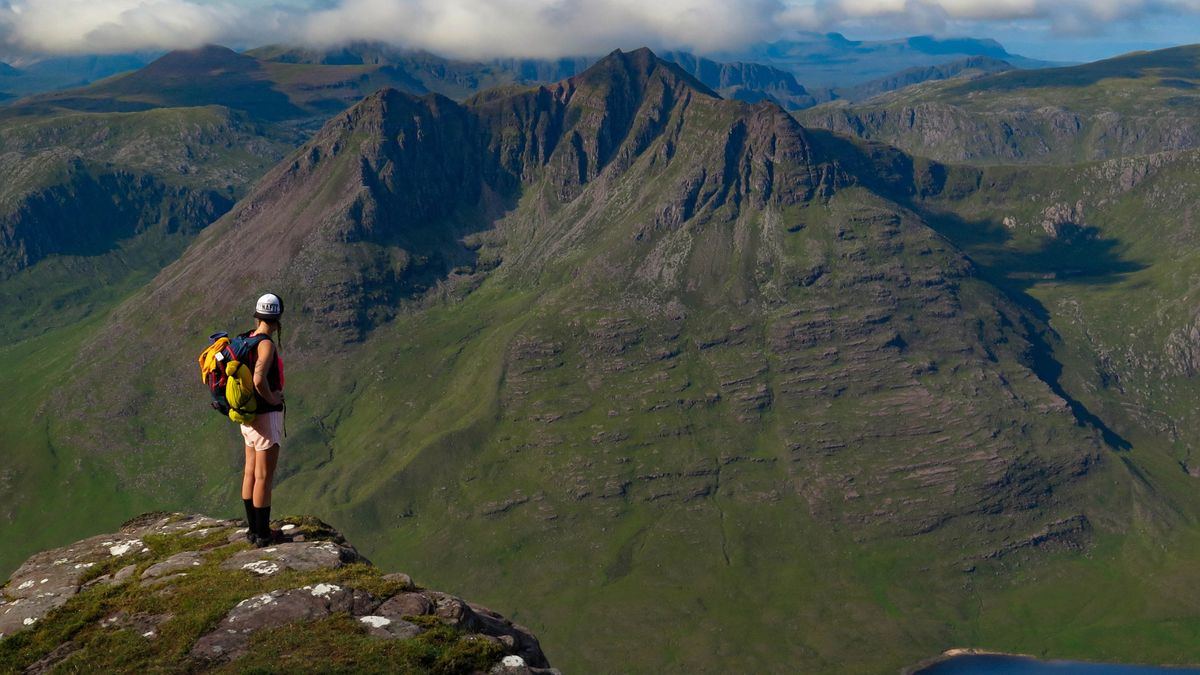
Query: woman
{"type": "Point", "coordinates": [262, 436]}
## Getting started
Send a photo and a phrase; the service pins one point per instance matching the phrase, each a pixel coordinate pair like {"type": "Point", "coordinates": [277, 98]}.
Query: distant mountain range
{"type": "Point", "coordinates": [833, 60]}
{"type": "Point", "coordinates": [282, 83]}
{"type": "Point", "coordinates": [818, 62]}
{"type": "Point", "coordinates": [22, 78]}
{"type": "Point", "coordinates": [1138, 103]}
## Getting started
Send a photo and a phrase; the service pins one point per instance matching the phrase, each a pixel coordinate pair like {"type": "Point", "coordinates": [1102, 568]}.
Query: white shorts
{"type": "Point", "coordinates": [264, 432]}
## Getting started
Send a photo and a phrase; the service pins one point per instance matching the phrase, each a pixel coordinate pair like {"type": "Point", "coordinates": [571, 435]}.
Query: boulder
{"type": "Point", "coordinates": [406, 604]}
{"type": "Point", "coordinates": [277, 608]}
{"type": "Point", "coordinates": [307, 556]}
{"type": "Point", "coordinates": [177, 563]}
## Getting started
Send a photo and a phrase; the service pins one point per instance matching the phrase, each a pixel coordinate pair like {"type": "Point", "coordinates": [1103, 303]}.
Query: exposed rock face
{"type": "Point", "coordinates": [1056, 216]}
{"type": "Point", "coordinates": [50, 580]}
{"type": "Point", "coordinates": [1182, 349]}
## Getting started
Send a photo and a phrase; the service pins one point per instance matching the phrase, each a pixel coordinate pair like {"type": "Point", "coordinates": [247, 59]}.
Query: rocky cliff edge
{"type": "Point", "coordinates": [187, 593]}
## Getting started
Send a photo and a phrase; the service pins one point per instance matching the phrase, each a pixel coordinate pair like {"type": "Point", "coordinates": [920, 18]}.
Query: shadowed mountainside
{"type": "Point", "coordinates": [93, 204]}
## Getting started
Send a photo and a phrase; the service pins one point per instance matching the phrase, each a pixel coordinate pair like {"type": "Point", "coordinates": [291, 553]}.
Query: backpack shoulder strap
{"type": "Point", "coordinates": [245, 346]}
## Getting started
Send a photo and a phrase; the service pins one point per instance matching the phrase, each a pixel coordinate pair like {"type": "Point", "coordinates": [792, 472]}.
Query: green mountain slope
{"type": "Point", "coordinates": [644, 354]}
{"type": "Point", "coordinates": [1104, 250]}
{"type": "Point", "coordinates": [93, 202]}
{"type": "Point", "coordinates": [1129, 105]}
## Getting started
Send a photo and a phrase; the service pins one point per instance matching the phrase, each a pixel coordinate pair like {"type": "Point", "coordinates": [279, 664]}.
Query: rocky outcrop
{"type": "Point", "coordinates": [311, 576]}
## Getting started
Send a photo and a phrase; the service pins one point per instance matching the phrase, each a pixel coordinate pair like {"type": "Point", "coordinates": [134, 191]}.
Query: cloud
{"type": "Point", "coordinates": [543, 28]}
{"type": "Point", "coordinates": [535, 28]}
{"type": "Point", "coordinates": [114, 25]}
{"type": "Point", "coordinates": [1064, 16]}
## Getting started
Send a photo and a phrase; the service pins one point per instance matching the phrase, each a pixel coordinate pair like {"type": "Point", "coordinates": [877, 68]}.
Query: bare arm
{"type": "Point", "coordinates": [262, 366]}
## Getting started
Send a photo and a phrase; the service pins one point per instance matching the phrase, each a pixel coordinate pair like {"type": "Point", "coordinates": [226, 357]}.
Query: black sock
{"type": "Point", "coordinates": [250, 514]}
{"type": "Point", "coordinates": [264, 521]}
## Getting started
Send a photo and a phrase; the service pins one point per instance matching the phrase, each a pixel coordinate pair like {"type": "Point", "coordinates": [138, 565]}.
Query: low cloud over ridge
{"type": "Point", "coordinates": [535, 28]}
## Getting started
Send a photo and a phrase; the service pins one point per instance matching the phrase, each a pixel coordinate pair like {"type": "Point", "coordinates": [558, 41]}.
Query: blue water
{"type": "Point", "coordinates": [1014, 665]}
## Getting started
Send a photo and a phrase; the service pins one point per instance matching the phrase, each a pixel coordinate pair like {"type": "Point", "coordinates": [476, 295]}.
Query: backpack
{"type": "Point", "coordinates": [225, 370]}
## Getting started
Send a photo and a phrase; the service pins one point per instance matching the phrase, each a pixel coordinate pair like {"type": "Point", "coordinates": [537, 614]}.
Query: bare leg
{"type": "Point", "coordinates": [248, 475]}
{"type": "Point", "coordinates": [264, 475]}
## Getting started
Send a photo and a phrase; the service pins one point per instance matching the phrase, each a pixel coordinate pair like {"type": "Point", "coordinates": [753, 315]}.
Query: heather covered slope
{"type": "Point", "coordinates": [1135, 104]}
{"type": "Point", "coordinates": [633, 351]}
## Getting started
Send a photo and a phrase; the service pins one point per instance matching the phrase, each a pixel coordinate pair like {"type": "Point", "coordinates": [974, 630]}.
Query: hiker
{"type": "Point", "coordinates": [263, 434]}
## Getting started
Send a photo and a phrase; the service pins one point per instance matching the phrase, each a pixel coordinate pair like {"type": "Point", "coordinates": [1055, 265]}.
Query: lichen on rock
{"type": "Point", "coordinates": [64, 607]}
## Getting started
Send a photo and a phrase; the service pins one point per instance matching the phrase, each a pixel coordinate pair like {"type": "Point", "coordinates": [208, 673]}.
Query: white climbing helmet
{"type": "Point", "coordinates": [268, 308]}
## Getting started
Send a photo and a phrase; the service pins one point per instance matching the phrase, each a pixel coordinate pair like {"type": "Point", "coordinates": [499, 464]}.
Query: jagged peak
{"type": "Point", "coordinates": [384, 109]}
{"type": "Point", "coordinates": [635, 69]}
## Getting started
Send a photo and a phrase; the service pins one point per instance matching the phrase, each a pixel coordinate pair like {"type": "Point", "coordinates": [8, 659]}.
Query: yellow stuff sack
{"type": "Point", "coordinates": [239, 392]}
{"type": "Point", "coordinates": [211, 358]}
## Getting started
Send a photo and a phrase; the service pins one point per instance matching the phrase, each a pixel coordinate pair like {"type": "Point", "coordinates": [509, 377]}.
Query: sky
{"type": "Point", "coordinates": [1061, 30]}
